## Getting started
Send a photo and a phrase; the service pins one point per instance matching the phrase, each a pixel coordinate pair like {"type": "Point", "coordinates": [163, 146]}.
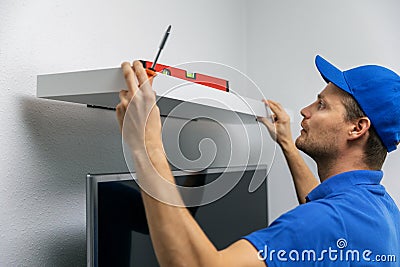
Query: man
{"type": "Point", "coordinates": [347, 220]}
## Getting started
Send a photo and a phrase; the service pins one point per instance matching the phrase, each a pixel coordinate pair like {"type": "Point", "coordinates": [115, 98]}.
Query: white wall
{"type": "Point", "coordinates": [283, 39]}
{"type": "Point", "coordinates": [48, 147]}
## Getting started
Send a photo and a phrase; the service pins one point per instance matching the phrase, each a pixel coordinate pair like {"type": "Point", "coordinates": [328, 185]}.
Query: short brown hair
{"type": "Point", "coordinates": [375, 152]}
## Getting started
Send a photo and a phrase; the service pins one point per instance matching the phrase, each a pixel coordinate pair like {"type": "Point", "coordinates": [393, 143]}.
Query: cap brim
{"type": "Point", "coordinates": [331, 74]}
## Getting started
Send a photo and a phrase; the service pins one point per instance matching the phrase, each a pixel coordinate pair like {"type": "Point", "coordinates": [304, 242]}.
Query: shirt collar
{"type": "Point", "coordinates": [344, 180]}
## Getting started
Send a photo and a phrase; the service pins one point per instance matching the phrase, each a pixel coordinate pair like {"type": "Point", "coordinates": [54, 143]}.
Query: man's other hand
{"type": "Point", "coordinates": [279, 124]}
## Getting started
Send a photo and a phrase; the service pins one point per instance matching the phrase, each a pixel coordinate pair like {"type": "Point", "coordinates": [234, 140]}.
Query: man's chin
{"type": "Point", "coordinates": [300, 144]}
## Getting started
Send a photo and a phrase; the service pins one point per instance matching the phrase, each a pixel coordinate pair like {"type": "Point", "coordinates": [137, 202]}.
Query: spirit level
{"type": "Point", "coordinates": [199, 78]}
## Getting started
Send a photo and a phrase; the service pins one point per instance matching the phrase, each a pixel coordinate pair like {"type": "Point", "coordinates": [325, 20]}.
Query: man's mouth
{"type": "Point", "coordinates": [303, 127]}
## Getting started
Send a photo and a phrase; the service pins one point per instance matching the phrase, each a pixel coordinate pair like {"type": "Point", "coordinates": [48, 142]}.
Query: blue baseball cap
{"type": "Point", "coordinates": [376, 89]}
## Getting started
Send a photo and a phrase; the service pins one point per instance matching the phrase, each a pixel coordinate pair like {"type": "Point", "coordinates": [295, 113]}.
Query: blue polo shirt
{"type": "Point", "coordinates": [349, 220]}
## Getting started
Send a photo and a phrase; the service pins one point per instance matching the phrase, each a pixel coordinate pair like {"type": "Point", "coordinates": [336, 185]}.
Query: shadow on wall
{"type": "Point", "coordinates": [63, 143]}
{"type": "Point", "coordinates": [66, 135]}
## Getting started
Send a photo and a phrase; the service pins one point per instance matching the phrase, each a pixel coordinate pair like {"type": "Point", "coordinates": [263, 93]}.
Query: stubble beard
{"type": "Point", "coordinates": [322, 149]}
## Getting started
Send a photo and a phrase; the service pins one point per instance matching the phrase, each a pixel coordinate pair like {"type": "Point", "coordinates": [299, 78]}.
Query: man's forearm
{"type": "Point", "coordinates": [304, 180]}
{"type": "Point", "coordinates": [177, 238]}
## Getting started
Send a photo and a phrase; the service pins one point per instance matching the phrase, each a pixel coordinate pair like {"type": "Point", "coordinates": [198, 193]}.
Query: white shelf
{"type": "Point", "coordinates": [175, 97]}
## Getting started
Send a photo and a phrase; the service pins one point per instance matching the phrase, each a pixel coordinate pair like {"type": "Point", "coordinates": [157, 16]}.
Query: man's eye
{"type": "Point", "coordinates": [320, 105]}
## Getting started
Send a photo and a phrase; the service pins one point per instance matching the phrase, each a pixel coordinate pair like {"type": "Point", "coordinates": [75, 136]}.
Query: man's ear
{"type": "Point", "coordinates": [359, 128]}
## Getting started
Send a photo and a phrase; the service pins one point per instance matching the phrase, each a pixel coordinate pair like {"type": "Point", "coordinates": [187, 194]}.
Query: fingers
{"type": "Point", "coordinates": [270, 126]}
{"type": "Point", "coordinates": [141, 76]}
{"type": "Point", "coordinates": [129, 76]}
{"type": "Point", "coordinates": [267, 122]}
{"type": "Point", "coordinates": [263, 120]}
{"type": "Point", "coordinates": [279, 113]}
{"type": "Point", "coordinates": [274, 106]}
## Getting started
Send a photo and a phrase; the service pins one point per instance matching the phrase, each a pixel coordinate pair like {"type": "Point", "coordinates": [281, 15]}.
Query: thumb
{"type": "Point", "coordinates": [270, 126]}
{"type": "Point", "coordinates": [267, 122]}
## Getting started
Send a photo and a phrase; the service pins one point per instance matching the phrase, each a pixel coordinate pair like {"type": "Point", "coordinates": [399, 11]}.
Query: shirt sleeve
{"type": "Point", "coordinates": [293, 237]}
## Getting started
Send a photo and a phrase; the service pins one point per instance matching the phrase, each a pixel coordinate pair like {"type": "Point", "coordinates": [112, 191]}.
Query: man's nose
{"type": "Point", "coordinates": [305, 112]}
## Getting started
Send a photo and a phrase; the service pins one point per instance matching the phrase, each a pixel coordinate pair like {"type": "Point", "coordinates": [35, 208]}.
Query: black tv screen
{"type": "Point", "coordinates": [117, 232]}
